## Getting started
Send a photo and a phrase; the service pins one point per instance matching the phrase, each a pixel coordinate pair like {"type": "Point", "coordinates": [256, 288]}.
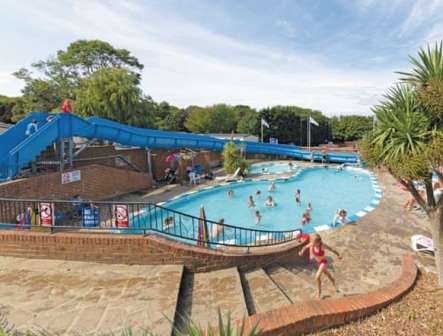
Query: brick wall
{"type": "Point", "coordinates": [138, 249]}
{"type": "Point", "coordinates": [97, 182]}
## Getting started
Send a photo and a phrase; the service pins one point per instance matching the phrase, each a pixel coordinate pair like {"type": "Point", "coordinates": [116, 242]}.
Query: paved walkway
{"type": "Point", "coordinates": [67, 297]}
{"type": "Point", "coordinates": [74, 296]}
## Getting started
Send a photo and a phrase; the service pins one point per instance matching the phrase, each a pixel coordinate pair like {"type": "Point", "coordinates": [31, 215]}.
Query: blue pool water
{"type": "Point", "coordinates": [271, 168]}
{"type": "Point", "coordinates": [327, 190]}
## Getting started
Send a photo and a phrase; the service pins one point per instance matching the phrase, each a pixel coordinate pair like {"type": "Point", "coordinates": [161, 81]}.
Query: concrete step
{"type": "Point", "coordinates": [214, 291]}
{"type": "Point", "coordinates": [295, 287]}
{"type": "Point", "coordinates": [263, 293]}
{"type": "Point", "coordinates": [68, 297]}
{"type": "Point", "coordinates": [307, 274]}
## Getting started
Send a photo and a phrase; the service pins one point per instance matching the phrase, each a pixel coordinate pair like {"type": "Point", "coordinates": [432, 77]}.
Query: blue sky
{"type": "Point", "coordinates": [334, 55]}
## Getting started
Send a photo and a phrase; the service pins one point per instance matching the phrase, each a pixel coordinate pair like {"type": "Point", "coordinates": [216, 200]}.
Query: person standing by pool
{"type": "Point", "coordinates": [298, 197]}
{"type": "Point", "coordinates": [317, 249]}
{"type": "Point", "coordinates": [257, 217]}
{"type": "Point", "coordinates": [251, 203]}
{"type": "Point", "coordinates": [31, 128]}
{"type": "Point", "coordinates": [272, 187]}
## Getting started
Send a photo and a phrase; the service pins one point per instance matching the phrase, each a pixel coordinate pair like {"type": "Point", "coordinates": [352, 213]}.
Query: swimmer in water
{"type": "Point", "coordinates": [230, 193]}
{"type": "Point", "coordinates": [257, 217]}
{"type": "Point", "coordinates": [309, 207]}
{"type": "Point", "coordinates": [306, 219]}
{"type": "Point", "coordinates": [251, 202]}
{"type": "Point", "coordinates": [272, 187]}
{"type": "Point", "coordinates": [257, 193]}
{"type": "Point", "coordinates": [298, 197]}
{"type": "Point", "coordinates": [270, 202]}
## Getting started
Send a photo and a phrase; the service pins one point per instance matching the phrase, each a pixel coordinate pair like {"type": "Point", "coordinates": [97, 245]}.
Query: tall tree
{"type": "Point", "coordinates": [219, 118]}
{"type": "Point", "coordinates": [113, 94]}
{"type": "Point", "coordinates": [83, 57]}
{"type": "Point", "coordinates": [58, 78]}
{"type": "Point", "coordinates": [352, 127]}
{"type": "Point", "coordinates": [408, 140]}
{"type": "Point", "coordinates": [6, 106]}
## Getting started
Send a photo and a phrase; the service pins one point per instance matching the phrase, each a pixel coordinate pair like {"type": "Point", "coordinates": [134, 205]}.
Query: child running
{"type": "Point", "coordinates": [318, 249]}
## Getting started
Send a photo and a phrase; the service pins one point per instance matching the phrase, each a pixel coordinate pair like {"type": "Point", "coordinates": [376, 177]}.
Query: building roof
{"type": "Point", "coordinates": [234, 136]}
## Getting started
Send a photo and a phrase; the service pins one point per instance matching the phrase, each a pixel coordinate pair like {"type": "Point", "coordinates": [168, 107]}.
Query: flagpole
{"type": "Point", "coordinates": [261, 122]}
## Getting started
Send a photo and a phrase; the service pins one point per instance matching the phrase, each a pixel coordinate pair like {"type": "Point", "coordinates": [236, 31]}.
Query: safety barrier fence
{"type": "Point", "coordinates": [131, 218]}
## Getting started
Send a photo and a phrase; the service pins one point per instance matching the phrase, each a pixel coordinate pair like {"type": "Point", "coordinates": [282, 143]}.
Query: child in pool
{"type": "Point", "coordinates": [270, 202]}
{"type": "Point", "coordinates": [257, 217]}
{"type": "Point", "coordinates": [251, 202]}
{"type": "Point", "coordinates": [306, 219]}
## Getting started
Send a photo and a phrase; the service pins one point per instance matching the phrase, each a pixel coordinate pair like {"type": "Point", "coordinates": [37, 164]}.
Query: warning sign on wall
{"type": "Point", "coordinates": [121, 215]}
{"type": "Point", "coordinates": [72, 176]}
{"type": "Point", "coordinates": [46, 212]}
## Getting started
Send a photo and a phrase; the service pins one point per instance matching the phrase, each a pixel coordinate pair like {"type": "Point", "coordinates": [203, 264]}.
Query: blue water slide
{"type": "Point", "coordinates": [17, 133]}
{"type": "Point", "coordinates": [18, 150]}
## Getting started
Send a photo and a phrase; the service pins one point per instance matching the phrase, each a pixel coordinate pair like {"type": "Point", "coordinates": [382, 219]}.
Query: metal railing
{"type": "Point", "coordinates": [131, 218]}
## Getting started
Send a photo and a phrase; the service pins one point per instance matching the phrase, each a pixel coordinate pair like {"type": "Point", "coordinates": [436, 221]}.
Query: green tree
{"type": "Point", "coordinates": [248, 120]}
{"type": "Point", "coordinates": [113, 94]}
{"type": "Point", "coordinates": [6, 106]}
{"type": "Point", "coordinates": [60, 77]}
{"type": "Point", "coordinates": [427, 79]}
{"type": "Point", "coordinates": [408, 140]}
{"type": "Point", "coordinates": [232, 158]}
{"type": "Point", "coordinates": [219, 118]}
{"type": "Point", "coordinates": [83, 57]}
{"type": "Point", "coordinates": [349, 128]}
{"type": "Point", "coordinates": [289, 125]}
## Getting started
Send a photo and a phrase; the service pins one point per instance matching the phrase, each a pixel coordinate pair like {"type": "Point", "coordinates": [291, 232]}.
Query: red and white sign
{"type": "Point", "coordinates": [46, 211]}
{"type": "Point", "coordinates": [121, 215]}
{"type": "Point", "coordinates": [72, 176]}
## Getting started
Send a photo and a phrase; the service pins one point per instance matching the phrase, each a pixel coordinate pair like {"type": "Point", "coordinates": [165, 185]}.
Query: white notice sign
{"type": "Point", "coordinates": [72, 176]}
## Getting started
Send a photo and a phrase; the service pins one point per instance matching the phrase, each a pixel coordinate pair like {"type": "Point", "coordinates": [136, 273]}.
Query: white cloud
{"type": "Point", "coordinates": [187, 64]}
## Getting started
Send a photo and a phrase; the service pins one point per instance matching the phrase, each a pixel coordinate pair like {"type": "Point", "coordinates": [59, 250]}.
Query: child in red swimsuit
{"type": "Point", "coordinates": [317, 249]}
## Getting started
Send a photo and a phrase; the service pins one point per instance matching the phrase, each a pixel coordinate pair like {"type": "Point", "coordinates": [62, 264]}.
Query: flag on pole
{"type": "Point", "coordinates": [312, 121]}
{"type": "Point", "coordinates": [264, 123]}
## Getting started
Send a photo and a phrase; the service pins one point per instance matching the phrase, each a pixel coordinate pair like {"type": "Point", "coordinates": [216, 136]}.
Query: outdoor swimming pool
{"type": "Point", "coordinates": [328, 190]}
{"type": "Point", "coordinates": [272, 168]}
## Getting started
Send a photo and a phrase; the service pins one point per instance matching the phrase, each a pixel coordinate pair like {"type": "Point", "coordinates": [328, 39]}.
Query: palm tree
{"type": "Point", "coordinates": [427, 78]}
{"type": "Point", "coordinates": [408, 137]}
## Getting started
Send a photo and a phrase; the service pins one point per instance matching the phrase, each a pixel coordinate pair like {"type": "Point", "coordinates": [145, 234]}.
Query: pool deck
{"type": "Point", "coordinates": [67, 296]}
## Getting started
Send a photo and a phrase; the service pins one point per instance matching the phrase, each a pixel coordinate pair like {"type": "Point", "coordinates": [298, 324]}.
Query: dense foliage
{"type": "Point", "coordinates": [6, 106]}
{"type": "Point", "coordinates": [104, 81]}
{"type": "Point", "coordinates": [408, 137]}
{"type": "Point", "coordinates": [348, 128]}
